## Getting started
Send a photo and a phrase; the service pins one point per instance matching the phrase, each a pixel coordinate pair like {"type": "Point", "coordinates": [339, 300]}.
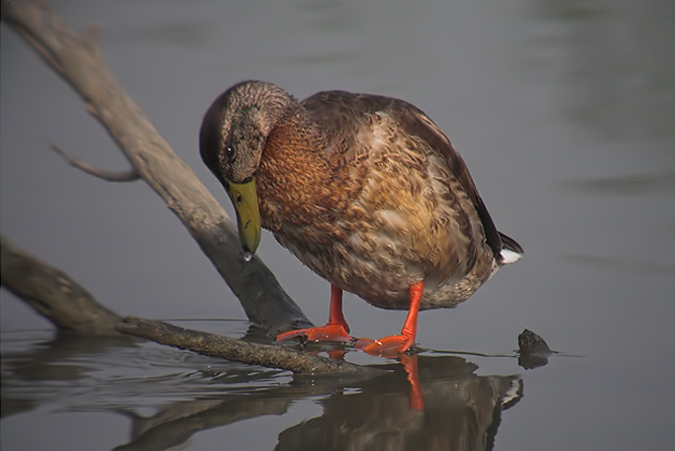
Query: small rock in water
{"type": "Point", "coordinates": [533, 350]}
{"type": "Point", "coordinates": [248, 256]}
{"type": "Point", "coordinates": [531, 343]}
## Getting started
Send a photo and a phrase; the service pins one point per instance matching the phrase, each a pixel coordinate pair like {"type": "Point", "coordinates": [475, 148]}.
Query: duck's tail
{"type": "Point", "coordinates": [511, 250]}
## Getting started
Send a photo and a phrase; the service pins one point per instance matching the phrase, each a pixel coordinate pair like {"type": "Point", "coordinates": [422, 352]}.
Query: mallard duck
{"type": "Point", "coordinates": [363, 189]}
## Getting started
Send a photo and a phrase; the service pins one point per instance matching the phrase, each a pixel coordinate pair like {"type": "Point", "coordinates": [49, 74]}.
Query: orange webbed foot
{"type": "Point", "coordinates": [394, 345]}
{"type": "Point", "coordinates": [329, 332]}
{"type": "Point", "coordinates": [390, 346]}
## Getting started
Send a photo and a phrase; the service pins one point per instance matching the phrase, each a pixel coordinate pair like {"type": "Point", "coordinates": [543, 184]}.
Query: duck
{"type": "Point", "coordinates": [365, 190]}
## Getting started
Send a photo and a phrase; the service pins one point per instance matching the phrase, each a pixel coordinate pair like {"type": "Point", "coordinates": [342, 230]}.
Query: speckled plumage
{"type": "Point", "coordinates": [365, 190]}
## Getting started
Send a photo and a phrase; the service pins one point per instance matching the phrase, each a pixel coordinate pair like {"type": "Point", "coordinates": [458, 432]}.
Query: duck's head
{"type": "Point", "coordinates": [231, 141]}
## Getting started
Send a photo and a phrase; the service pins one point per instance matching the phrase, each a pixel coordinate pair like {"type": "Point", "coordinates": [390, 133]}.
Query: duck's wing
{"type": "Point", "coordinates": [418, 123]}
{"type": "Point", "coordinates": [341, 115]}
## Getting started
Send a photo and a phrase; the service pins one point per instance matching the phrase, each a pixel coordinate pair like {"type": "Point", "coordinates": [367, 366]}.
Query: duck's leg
{"type": "Point", "coordinates": [335, 330]}
{"type": "Point", "coordinates": [396, 344]}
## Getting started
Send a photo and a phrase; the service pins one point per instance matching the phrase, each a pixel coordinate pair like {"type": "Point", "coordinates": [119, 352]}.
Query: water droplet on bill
{"type": "Point", "coordinates": [248, 256]}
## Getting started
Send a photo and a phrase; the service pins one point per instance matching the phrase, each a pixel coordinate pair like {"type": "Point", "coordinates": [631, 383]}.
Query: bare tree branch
{"type": "Point", "coordinates": [68, 305]}
{"type": "Point", "coordinates": [240, 351]}
{"type": "Point", "coordinates": [53, 294]}
{"type": "Point", "coordinates": [110, 176]}
{"type": "Point", "coordinates": [78, 60]}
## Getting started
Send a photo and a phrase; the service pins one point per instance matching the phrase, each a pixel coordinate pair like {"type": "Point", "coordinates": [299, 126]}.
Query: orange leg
{"type": "Point", "coordinates": [335, 330]}
{"type": "Point", "coordinates": [396, 344]}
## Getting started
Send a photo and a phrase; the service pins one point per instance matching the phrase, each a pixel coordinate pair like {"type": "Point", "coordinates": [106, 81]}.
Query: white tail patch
{"type": "Point", "coordinates": [510, 256]}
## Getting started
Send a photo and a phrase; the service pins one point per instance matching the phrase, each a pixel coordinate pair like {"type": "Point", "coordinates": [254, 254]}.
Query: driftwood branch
{"type": "Point", "coordinates": [78, 60]}
{"type": "Point", "coordinates": [73, 309]}
{"type": "Point", "coordinates": [53, 294]}
{"type": "Point", "coordinates": [238, 350]}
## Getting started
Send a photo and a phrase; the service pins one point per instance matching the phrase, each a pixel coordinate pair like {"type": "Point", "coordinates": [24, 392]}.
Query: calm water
{"type": "Point", "coordinates": [564, 112]}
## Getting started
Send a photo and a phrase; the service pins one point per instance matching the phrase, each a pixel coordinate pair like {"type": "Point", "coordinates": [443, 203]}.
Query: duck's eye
{"type": "Point", "coordinates": [229, 151]}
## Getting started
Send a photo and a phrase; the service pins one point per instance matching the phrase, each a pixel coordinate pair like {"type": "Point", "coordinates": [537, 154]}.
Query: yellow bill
{"type": "Point", "coordinates": [245, 200]}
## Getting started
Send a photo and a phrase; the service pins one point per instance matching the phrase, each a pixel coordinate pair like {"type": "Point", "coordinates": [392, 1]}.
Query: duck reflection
{"type": "Point", "coordinates": [460, 410]}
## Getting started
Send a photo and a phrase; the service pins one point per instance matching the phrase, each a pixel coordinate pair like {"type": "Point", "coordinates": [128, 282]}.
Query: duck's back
{"type": "Point", "coordinates": [347, 121]}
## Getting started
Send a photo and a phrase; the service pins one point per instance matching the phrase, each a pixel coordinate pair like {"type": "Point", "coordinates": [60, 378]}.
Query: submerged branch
{"type": "Point", "coordinates": [73, 309]}
{"type": "Point", "coordinates": [270, 356]}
